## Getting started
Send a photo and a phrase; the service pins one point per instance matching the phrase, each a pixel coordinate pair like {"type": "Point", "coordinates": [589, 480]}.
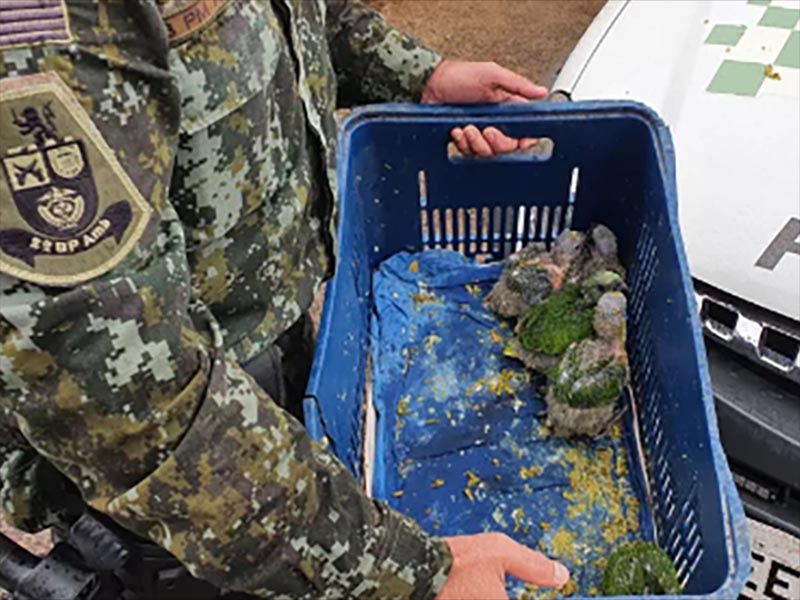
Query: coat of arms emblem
{"type": "Point", "coordinates": [52, 187]}
{"type": "Point", "coordinates": [56, 224]}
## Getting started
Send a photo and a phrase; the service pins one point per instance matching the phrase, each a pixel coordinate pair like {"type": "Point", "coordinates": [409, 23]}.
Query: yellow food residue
{"type": "Point", "coordinates": [501, 384]}
{"type": "Point", "coordinates": [468, 494]}
{"type": "Point", "coordinates": [431, 422]}
{"type": "Point", "coordinates": [593, 485]}
{"type": "Point", "coordinates": [437, 483]}
{"type": "Point", "coordinates": [413, 267]}
{"type": "Point", "coordinates": [569, 589]}
{"type": "Point", "coordinates": [423, 298]}
{"type": "Point", "coordinates": [519, 518]}
{"type": "Point", "coordinates": [402, 407]}
{"type": "Point", "coordinates": [530, 472]}
{"type": "Point", "coordinates": [430, 343]}
{"type": "Point", "coordinates": [495, 337]}
{"type": "Point", "coordinates": [472, 479]}
{"type": "Point", "coordinates": [397, 494]}
{"type": "Point", "coordinates": [564, 544]}
{"type": "Point", "coordinates": [475, 387]}
{"type": "Point", "coordinates": [534, 592]}
{"type": "Point", "coordinates": [516, 450]}
{"type": "Point", "coordinates": [474, 290]}
{"type": "Point", "coordinates": [545, 526]}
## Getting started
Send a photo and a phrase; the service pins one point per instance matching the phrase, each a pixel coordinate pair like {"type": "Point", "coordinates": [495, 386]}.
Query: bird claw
{"type": "Point", "coordinates": [614, 419]}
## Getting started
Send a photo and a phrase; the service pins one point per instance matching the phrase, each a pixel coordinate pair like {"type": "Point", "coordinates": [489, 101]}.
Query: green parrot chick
{"type": "Point", "coordinates": [563, 318]}
{"type": "Point", "coordinates": [533, 273]}
{"type": "Point", "coordinates": [603, 253]}
{"type": "Point", "coordinates": [592, 374]}
{"type": "Point", "coordinates": [526, 279]}
{"type": "Point", "coordinates": [639, 569]}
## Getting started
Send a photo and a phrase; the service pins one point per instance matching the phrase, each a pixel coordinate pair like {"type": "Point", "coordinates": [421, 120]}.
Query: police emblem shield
{"type": "Point", "coordinates": [68, 212]}
{"type": "Point", "coordinates": [66, 160]}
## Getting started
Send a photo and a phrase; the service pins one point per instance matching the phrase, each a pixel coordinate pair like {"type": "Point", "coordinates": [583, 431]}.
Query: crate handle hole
{"type": "Point", "coordinates": [541, 152]}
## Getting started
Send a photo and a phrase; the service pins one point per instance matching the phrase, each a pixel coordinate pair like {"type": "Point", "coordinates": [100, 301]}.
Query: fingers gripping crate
{"type": "Point", "coordinates": [600, 162]}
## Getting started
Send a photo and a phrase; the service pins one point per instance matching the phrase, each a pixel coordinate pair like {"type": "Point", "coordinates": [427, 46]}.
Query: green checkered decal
{"type": "Point", "coordinates": [762, 55]}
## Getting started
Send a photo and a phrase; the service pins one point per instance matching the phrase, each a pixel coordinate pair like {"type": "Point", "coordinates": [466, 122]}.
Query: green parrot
{"type": "Point", "coordinates": [565, 317]}
{"type": "Point", "coordinates": [533, 273]}
{"type": "Point", "coordinates": [592, 374]}
{"type": "Point", "coordinates": [570, 303]}
{"type": "Point", "coordinates": [602, 255]}
{"type": "Point", "coordinates": [638, 569]}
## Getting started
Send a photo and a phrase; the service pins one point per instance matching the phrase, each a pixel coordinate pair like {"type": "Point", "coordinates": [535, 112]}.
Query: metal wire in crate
{"type": "Point", "coordinates": [609, 162]}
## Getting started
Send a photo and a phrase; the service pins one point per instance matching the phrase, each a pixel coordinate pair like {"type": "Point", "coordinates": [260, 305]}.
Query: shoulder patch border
{"type": "Point", "coordinates": [16, 88]}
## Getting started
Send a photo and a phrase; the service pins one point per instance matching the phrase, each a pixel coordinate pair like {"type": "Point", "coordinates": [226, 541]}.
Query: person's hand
{"type": "Point", "coordinates": [480, 564]}
{"type": "Point", "coordinates": [457, 82]}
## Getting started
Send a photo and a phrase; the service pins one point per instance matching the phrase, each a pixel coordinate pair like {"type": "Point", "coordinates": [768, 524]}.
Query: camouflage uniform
{"type": "Point", "coordinates": [120, 362]}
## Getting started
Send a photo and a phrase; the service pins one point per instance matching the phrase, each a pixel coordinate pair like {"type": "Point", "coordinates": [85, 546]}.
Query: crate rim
{"type": "Point", "coordinates": [736, 531]}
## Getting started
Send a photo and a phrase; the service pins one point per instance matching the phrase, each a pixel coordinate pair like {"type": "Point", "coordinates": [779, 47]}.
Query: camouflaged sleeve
{"type": "Point", "coordinates": [374, 61]}
{"type": "Point", "coordinates": [32, 492]}
{"type": "Point", "coordinates": [114, 372]}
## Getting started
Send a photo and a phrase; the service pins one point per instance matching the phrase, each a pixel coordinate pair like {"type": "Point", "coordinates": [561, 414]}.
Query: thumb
{"type": "Point", "coordinates": [518, 85]}
{"type": "Point", "coordinates": [533, 567]}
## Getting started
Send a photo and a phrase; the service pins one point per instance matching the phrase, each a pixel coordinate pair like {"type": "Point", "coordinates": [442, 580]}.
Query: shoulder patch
{"type": "Point", "coordinates": [185, 17]}
{"type": "Point", "coordinates": [68, 211]}
{"type": "Point", "coordinates": [33, 23]}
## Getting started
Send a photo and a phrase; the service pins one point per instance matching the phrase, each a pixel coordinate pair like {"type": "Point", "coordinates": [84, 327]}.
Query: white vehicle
{"type": "Point", "coordinates": [725, 76]}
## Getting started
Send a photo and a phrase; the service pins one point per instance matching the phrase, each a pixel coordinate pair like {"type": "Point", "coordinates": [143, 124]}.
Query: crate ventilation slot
{"type": "Point", "coordinates": [491, 231]}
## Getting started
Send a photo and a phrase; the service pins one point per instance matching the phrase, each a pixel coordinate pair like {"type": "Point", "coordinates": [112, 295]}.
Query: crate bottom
{"type": "Point", "coordinates": [461, 446]}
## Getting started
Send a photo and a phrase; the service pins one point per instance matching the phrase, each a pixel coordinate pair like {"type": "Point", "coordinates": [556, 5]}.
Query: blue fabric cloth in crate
{"type": "Point", "coordinates": [461, 441]}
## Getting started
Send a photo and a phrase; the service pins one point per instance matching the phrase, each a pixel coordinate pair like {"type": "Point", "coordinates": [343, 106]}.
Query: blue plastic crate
{"type": "Point", "coordinates": [612, 163]}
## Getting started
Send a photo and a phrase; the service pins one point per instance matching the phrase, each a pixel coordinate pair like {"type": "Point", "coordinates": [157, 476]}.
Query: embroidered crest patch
{"type": "Point", "coordinates": [68, 211]}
